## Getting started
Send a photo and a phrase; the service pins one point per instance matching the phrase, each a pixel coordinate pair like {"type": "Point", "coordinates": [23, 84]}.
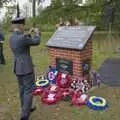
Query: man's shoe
{"type": "Point", "coordinates": [24, 118]}
{"type": "Point", "coordinates": [33, 109]}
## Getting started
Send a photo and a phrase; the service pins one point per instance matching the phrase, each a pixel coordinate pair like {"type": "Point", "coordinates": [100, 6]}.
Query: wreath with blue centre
{"type": "Point", "coordinates": [51, 75]}
{"type": "Point", "coordinates": [97, 103]}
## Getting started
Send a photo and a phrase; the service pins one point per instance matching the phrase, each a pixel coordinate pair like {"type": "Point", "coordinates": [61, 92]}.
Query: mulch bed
{"type": "Point", "coordinates": [110, 72]}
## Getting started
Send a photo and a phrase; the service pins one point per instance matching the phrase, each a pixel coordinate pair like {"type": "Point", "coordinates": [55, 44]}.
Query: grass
{"type": "Point", "coordinates": [104, 47]}
{"type": "Point", "coordinates": [9, 95]}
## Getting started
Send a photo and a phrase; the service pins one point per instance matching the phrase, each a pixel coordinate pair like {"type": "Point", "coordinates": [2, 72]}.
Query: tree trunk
{"type": "Point", "coordinates": [34, 11]}
{"type": "Point", "coordinates": [34, 8]}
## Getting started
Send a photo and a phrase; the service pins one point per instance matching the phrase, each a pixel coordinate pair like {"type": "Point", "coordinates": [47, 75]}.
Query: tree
{"type": "Point", "coordinates": [34, 3]}
{"type": "Point", "coordinates": [26, 9]}
{"type": "Point", "coordinates": [56, 3]}
{"type": "Point", "coordinates": [34, 7]}
{"type": "Point", "coordinates": [5, 2]}
{"type": "Point", "coordinates": [11, 11]}
{"type": "Point", "coordinates": [92, 13]}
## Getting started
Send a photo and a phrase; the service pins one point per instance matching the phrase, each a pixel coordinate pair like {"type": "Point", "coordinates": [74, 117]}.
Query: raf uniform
{"type": "Point", "coordinates": [23, 66]}
{"type": "Point", "coordinates": [2, 59]}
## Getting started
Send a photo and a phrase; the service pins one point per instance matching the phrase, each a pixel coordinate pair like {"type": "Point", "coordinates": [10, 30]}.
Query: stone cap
{"type": "Point", "coordinates": [72, 37]}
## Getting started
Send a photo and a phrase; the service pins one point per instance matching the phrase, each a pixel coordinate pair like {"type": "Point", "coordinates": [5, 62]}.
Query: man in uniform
{"type": "Point", "coordinates": [23, 66]}
{"type": "Point", "coordinates": [2, 59]}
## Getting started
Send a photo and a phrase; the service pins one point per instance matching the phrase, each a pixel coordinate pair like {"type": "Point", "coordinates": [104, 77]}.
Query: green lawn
{"type": "Point", "coordinates": [9, 95]}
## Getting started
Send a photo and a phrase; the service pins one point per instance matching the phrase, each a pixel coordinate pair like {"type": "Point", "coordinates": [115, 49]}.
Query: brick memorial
{"type": "Point", "coordinates": [70, 49]}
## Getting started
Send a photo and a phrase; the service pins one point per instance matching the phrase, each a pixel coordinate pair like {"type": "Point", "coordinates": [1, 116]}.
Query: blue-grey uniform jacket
{"type": "Point", "coordinates": [20, 45]}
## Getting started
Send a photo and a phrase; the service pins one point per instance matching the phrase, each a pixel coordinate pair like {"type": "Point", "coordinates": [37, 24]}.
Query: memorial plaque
{"type": "Point", "coordinates": [72, 37]}
{"type": "Point", "coordinates": [64, 65]}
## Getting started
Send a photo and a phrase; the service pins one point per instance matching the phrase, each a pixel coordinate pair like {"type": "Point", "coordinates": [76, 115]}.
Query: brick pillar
{"type": "Point", "coordinates": [76, 56]}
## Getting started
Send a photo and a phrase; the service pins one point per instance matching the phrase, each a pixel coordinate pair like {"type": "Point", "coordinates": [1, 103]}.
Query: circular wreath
{"type": "Point", "coordinates": [63, 80]}
{"type": "Point", "coordinates": [66, 92]}
{"type": "Point", "coordinates": [51, 98]}
{"type": "Point", "coordinates": [79, 99]}
{"type": "Point", "coordinates": [52, 73]}
{"type": "Point", "coordinates": [42, 83]}
{"type": "Point", "coordinates": [80, 85]}
{"type": "Point", "coordinates": [53, 88]}
{"type": "Point", "coordinates": [37, 91]}
{"type": "Point", "coordinates": [97, 103]}
{"type": "Point", "coordinates": [86, 67]}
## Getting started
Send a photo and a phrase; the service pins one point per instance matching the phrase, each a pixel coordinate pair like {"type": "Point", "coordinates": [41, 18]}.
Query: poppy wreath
{"type": "Point", "coordinates": [66, 92]}
{"type": "Point", "coordinates": [37, 91]}
{"type": "Point", "coordinates": [79, 99]}
{"type": "Point", "coordinates": [53, 88]}
{"type": "Point", "coordinates": [80, 85]}
{"type": "Point", "coordinates": [50, 97]}
{"type": "Point", "coordinates": [51, 75]}
{"type": "Point", "coordinates": [63, 80]}
{"type": "Point", "coordinates": [97, 103]}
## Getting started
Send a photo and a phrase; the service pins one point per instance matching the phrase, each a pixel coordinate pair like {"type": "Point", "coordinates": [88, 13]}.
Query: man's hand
{"type": "Point", "coordinates": [37, 31]}
{"type": "Point", "coordinates": [31, 31]}
{"type": "Point", "coordinates": [34, 31]}
{"type": "Point", "coordinates": [2, 42]}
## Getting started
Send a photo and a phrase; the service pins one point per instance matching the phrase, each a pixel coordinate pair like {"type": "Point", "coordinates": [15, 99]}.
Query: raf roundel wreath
{"type": "Point", "coordinates": [53, 88]}
{"type": "Point", "coordinates": [50, 97]}
{"type": "Point", "coordinates": [52, 73]}
{"type": "Point", "coordinates": [97, 103]}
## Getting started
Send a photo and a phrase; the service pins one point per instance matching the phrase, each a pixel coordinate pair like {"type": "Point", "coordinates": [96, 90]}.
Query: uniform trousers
{"type": "Point", "coordinates": [25, 87]}
{"type": "Point", "coordinates": [2, 59]}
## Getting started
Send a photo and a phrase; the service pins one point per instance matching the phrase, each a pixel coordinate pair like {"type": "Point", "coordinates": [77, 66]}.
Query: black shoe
{"type": "Point", "coordinates": [24, 118]}
{"type": "Point", "coordinates": [33, 109]}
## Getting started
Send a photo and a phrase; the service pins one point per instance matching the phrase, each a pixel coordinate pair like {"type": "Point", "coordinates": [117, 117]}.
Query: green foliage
{"type": "Point", "coordinates": [56, 4]}
{"type": "Point", "coordinates": [92, 13]}
{"type": "Point", "coordinates": [8, 17]}
{"type": "Point", "coordinates": [5, 2]}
